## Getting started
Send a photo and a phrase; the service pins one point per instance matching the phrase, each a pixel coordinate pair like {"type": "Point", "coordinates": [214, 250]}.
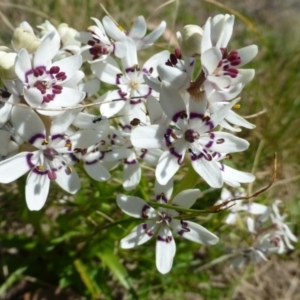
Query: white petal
{"type": "Point", "coordinates": [177, 78]}
{"type": "Point", "coordinates": [69, 65]}
{"type": "Point", "coordinates": [255, 208]}
{"type": "Point", "coordinates": [106, 72]}
{"type": "Point", "coordinates": [186, 198]}
{"type": "Point", "coordinates": [139, 28]}
{"type": "Point", "coordinates": [166, 168]}
{"type": "Point", "coordinates": [226, 143]}
{"type": "Point", "coordinates": [136, 207]}
{"type": "Point", "coordinates": [210, 172]}
{"type": "Point", "coordinates": [112, 29]}
{"type": "Point", "coordinates": [210, 59]}
{"type": "Point", "coordinates": [165, 250]}
{"type": "Point", "coordinates": [28, 125]}
{"type": "Point", "coordinates": [231, 218]}
{"type": "Point", "coordinates": [68, 182]}
{"type": "Point", "coordinates": [139, 235]}
{"type": "Point", "coordinates": [247, 54]}
{"type": "Point", "coordinates": [235, 119]}
{"type": "Point", "coordinates": [166, 189]}
{"type": "Point", "coordinates": [148, 40]}
{"type": "Point", "coordinates": [233, 177]}
{"type": "Point", "coordinates": [36, 190]}
{"type": "Point", "coordinates": [148, 136]}
{"type": "Point", "coordinates": [194, 232]}
{"type": "Point", "coordinates": [171, 101]}
{"type": "Point", "coordinates": [15, 166]}
{"type": "Point", "coordinates": [131, 173]}
{"type": "Point", "coordinates": [22, 64]}
{"type": "Point", "coordinates": [97, 171]}
{"type": "Point", "coordinates": [61, 123]}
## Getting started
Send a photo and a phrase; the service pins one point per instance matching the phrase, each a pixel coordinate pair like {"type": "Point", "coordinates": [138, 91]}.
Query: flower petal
{"type": "Point", "coordinates": [194, 232]}
{"type": "Point", "coordinates": [139, 235]}
{"type": "Point", "coordinates": [186, 198]}
{"type": "Point", "coordinates": [165, 250]}
{"type": "Point", "coordinates": [136, 207]}
{"type": "Point", "coordinates": [14, 167]}
{"type": "Point", "coordinates": [36, 190]}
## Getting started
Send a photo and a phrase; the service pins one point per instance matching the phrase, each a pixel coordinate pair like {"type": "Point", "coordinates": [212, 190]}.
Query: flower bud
{"type": "Point", "coordinates": [25, 38]}
{"type": "Point", "coordinates": [7, 65]}
{"type": "Point", "coordinates": [190, 40]}
{"type": "Point", "coordinates": [67, 35]}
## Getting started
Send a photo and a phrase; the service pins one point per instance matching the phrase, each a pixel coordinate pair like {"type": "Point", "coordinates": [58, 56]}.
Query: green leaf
{"type": "Point", "coordinates": [14, 277]}
{"type": "Point", "coordinates": [90, 284]}
{"type": "Point", "coordinates": [113, 263]}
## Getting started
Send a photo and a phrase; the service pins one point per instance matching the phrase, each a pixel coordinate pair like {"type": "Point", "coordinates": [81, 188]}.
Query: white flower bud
{"type": "Point", "coordinates": [7, 65]}
{"type": "Point", "coordinates": [190, 40]}
{"type": "Point", "coordinates": [24, 38]}
{"type": "Point", "coordinates": [67, 35]}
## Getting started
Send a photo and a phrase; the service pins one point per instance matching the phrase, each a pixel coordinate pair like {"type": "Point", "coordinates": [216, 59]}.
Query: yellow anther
{"type": "Point", "coordinates": [45, 142]}
{"type": "Point", "coordinates": [133, 84]}
{"type": "Point", "coordinates": [68, 144]}
{"type": "Point", "coordinates": [40, 168]}
{"type": "Point", "coordinates": [237, 106]}
{"type": "Point", "coordinates": [120, 27]}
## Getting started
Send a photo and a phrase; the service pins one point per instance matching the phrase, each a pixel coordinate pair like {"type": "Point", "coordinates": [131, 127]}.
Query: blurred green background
{"type": "Point", "coordinates": [69, 250]}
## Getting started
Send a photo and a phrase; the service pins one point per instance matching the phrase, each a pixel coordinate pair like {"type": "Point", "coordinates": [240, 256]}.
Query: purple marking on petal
{"type": "Point", "coordinates": [181, 114]}
{"type": "Point", "coordinates": [128, 162]}
{"type": "Point", "coordinates": [144, 211]}
{"type": "Point", "coordinates": [195, 156]}
{"type": "Point", "coordinates": [162, 197]}
{"type": "Point", "coordinates": [35, 72]}
{"type": "Point", "coordinates": [144, 152]}
{"type": "Point", "coordinates": [194, 115]}
{"type": "Point", "coordinates": [122, 94]}
{"type": "Point", "coordinates": [118, 76]}
{"type": "Point", "coordinates": [149, 92]}
{"type": "Point", "coordinates": [103, 153]}
{"type": "Point", "coordinates": [168, 239]}
{"type": "Point", "coordinates": [40, 172]}
{"type": "Point", "coordinates": [148, 232]}
{"type": "Point", "coordinates": [73, 157]}
{"type": "Point", "coordinates": [91, 162]}
{"type": "Point", "coordinates": [28, 160]}
{"type": "Point", "coordinates": [57, 136]}
{"type": "Point", "coordinates": [209, 144]}
{"type": "Point", "coordinates": [210, 124]}
{"type": "Point", "coordinates": [146, 72]}
{"type": "Point", "coordinates": [124, 127]}
{"type": "Point", "coordinates": [176, 154]}
{"type": "Point", "coordinates": [222, 167]}
{"type": "Point", "coordinates": [167, 136]}
{"type": "Point", "coordinates": [133, 101]}
{"type": "Point", "coordinates": [35, 137]}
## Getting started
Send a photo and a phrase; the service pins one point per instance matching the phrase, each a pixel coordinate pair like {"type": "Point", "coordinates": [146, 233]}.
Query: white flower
{"type": "Point", "coordinates": [237, 206]}
{"type": "Point", "coordinates": [98, 46]}
{"type": "Point", "coordinates": [50, 161]}
{"type": "Point", "coordinates": [46, 84]}
{"type": "Point", "coordinates": [160, 222]}
{"type": "Point", "coordinates": [137, 32]}
{"type": "Point", "coordinates": [129, 81]}
{"type": "Point", "coordinates": [281, 227]}
{"type": "Point", "coordinates": [192, 133]}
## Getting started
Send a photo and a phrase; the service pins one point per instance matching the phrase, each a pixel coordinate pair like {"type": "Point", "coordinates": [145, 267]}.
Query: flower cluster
{"type": "Point", "coordinates": [164, 112]}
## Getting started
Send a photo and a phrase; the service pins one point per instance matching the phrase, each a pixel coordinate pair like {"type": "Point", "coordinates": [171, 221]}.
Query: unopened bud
{"type": "Point", "coordinates": [67, 35]}
{"type": "Point", "coordinates": [24, 38]}
{"type": "Point", "coordinates": [7, 65]}
{"type": "Point", "coordinates": [190, 40]}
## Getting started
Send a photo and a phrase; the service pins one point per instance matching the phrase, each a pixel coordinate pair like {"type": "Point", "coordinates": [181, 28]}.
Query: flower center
{"type": "Point", "coordinates": [190, 136]}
